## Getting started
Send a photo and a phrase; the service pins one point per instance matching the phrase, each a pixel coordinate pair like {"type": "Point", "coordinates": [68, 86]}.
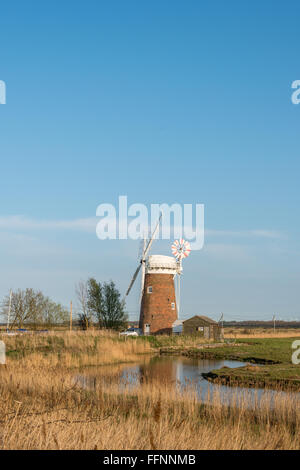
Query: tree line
{"type": "Point", "coordinates": [97, 304]}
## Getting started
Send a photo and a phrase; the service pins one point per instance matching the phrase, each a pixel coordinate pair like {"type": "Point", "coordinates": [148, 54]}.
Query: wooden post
{"type": "Point", "coordinates": [9, 309]}
{"type": "Point", "coordinates": [71, 316]}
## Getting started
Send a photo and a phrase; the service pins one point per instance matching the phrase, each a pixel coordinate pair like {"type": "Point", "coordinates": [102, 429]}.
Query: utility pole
{"type": "Point", "coordinates": [9, 309]}
{"type": "Point", "coordinates": [71, 316]}
{"type": "Point", "coordinates": [274, 327]}
{"type": "Point", "coordinates": [222, 325]}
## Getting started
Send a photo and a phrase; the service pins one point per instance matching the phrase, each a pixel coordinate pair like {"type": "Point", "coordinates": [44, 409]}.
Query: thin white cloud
{"type": "Point", "coordinates": [88, 224]}
{"type": "Point", "coordinates": [222, 250]}
{"type": "Point", "coordinates": [244, 233]}
{"type": "Point", "coordinates": [20, 222]}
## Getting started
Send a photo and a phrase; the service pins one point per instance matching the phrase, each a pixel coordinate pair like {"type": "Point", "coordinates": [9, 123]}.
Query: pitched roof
{"type": "Point", "coordinates": [202, 317]}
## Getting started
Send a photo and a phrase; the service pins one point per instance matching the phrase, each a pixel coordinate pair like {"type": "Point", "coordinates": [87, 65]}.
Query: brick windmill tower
{"type": "Point", "coordinates": [159, 308]}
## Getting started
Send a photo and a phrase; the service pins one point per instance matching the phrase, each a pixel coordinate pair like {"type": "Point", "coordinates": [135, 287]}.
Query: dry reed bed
{"type": "Point", "coordinates": [231, 333]}
{"type": "Point", "coordinates": [42, 407]}
{"type": "Point", "coordinates": [75, 349]}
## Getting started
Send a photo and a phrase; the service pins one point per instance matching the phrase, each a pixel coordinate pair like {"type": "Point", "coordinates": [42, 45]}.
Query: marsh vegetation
{"type": "Point", "coordinates": [42, 407]}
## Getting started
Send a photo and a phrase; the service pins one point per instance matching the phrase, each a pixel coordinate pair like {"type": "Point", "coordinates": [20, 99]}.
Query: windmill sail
{"type": "Point", "coordinates": [134, 278]}
{"type": "Point", "coordinates": [143, 259]}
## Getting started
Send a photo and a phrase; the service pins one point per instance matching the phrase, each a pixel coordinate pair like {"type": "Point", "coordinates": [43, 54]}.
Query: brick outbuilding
{"type": "Point", "coordinates": [204, 327]}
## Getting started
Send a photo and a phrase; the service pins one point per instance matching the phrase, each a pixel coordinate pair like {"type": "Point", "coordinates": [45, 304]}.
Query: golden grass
{"type": "Point", "coordinates": [76, 349]}
{"type": "Point", "coordinates": [260, 333]}
{"type": "Point", "coordinates": [42, 406]}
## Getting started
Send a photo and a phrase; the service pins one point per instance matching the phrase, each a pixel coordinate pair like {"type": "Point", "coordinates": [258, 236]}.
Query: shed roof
{"type": "Point", "coordinates": [202, 317]}
{"type": "Point", "coordinates": [177, 323]}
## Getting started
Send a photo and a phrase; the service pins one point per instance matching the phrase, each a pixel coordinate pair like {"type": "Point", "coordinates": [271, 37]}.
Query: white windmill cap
{"type": "Point", "coordinates": [162, 263]}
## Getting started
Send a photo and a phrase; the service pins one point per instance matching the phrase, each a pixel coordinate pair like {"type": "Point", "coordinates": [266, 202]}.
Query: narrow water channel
{"type": "Point", "coordinates": [185, 373]}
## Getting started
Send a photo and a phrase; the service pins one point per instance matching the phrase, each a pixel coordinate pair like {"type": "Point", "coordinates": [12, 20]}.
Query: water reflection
{"type": "Point", "coordinates": [169, 369]}
{"type": "Point", "coordinates": [184, 373]}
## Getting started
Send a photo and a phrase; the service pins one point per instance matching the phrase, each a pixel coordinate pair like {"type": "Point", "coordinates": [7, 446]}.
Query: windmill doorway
{"type": "Point", "coordinates": [147, 329]}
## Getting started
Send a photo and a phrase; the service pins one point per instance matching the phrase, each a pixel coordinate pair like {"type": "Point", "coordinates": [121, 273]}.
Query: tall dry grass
{"type": "Point", "coordinates": [232, 333]}
{"type": "Point", "coordinates": [44, 406]}
{"type": "Point", "coordinates": [75, 349]}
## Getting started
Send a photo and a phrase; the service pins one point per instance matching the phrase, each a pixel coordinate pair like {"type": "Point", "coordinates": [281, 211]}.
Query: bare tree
{"type": "Point", "coordinates": [32, 307]}
{"type": "Point", "coordinates": [25, 306]}
{"type": "Point", "coordinates": [85, 313]}
{"type": "Point", "coordinates": [54, 313]}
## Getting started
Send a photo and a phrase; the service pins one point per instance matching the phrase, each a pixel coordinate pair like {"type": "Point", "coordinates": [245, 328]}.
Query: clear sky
{"type": "Point", "coordinates": [162, 101]}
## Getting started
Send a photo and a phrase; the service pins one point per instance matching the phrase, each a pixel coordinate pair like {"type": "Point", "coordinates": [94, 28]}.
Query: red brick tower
{"type": "Point", "coordinates": [158, 305]}
{"type": "Point", "coordinates": [158, 310]}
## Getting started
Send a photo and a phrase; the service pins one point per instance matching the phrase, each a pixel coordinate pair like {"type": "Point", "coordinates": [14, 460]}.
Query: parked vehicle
{"type": "Point", "coordinates": [131, 332]}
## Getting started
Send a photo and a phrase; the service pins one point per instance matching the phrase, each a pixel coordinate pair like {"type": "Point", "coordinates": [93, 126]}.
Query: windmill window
{"type": "Point", "coordinates": [149, 290]}
{"type": "Point", "coordinates": [173, 305]}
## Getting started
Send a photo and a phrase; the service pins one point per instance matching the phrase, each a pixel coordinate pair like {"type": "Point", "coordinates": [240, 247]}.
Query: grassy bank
{"type": "Point", "coordinates": [75, 349]}
{"type": "Point", "coordinates": [94, 346]}
{"type": "Point", "coordinates": [272, 358]}
{"type": "Point", "coordinates": [258, 350]}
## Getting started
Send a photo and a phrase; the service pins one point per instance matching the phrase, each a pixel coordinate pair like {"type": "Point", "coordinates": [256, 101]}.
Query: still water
{"type": "Point", "coordinates": [184, 374]}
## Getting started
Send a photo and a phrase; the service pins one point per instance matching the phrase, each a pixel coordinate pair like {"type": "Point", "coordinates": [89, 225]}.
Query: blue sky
{"type": "Point", "coordinates": [186, 102]}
